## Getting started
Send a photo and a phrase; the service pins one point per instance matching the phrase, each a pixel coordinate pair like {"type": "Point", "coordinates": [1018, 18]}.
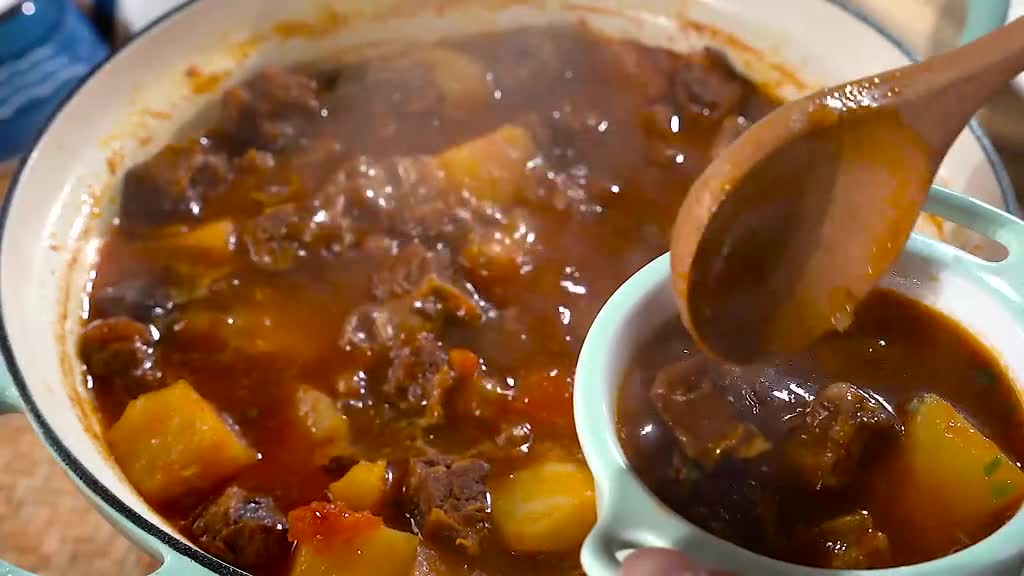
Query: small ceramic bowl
{"type": "Point", "coordinates": [987, 298]}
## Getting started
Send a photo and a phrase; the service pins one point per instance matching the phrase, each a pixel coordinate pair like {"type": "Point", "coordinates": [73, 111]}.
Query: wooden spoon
{"type": "Point", "coordinates": [795, 222]}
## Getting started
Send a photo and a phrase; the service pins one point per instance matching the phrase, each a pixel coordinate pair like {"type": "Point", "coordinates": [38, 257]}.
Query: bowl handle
{"type": "Point", "coordinates": [629, 517]}
{"type": "Point", "coordinates": [986, 220]}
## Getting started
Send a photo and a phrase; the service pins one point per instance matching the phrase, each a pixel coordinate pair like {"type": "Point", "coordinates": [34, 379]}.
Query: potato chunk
{"type": "Point", "coordinates": [333, 541]}
{"type": "Point", "coordinates": [493, 166]}
{"type": "Point", "coordinates": [362, 488]}
{"type": "Point", "coordinates": [545, 507]}
{"type": "Point", "coordinates": [951, 484]}
{"type": "Point", "coordinates": [171, 443]}
{"type": "Point", "coordinates": [460, 77]}
{"type": "Point", "coordinates": [326, 424]}
{"type": "Point", "coordinates": [211, 243]}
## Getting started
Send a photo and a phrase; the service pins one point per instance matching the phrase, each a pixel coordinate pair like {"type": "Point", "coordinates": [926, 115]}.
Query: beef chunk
{"type": "Point", "coordinates": [493, 259]}
{"type": "Point", "coordinates": [243, 529]}
{"type": "Point", "coordinates": [375, 329]}
{"type": "Point", "coordinates": [644, 69]}
{"type": "Point", "coordinates": [119, 352]}
{"type": "Point", "coordinates": [437, 299]}
{"type": "Point", "coordinates": [763, 395]}
{"type": "Point", "coordinates": [826, 445]}
{"type": "Point", "coordinates": [140, 299]}
{"type": "Point", "coordinates": [702, 418]}
{"type": "Point", "coordinates": [274, 238]}
{"type": "Point", "coordinates": [528, 59]}
{"type": "Point", "coordinates": [408, 269]}
{"type": "Point", "coordinates": [419, 378]}
{"type": "Point", "coordinates": [849, 542]}
{"type": "Point", "coordinates": [511, 442]}
{"type": "Point", "coordinates": [271, 110]}
{"type": "Point", "coordinates": [735, 501]}
{"type": "Point", "coordinates": [172, 186]}
{"type": "Point", "coordinates": [402, 196]}
{"type": "Point", "coordinates": [280, 235]}
{"type": "Point", "coordinates": [706, 85]}
{"type": "Point", "coordinates": [448, 500]}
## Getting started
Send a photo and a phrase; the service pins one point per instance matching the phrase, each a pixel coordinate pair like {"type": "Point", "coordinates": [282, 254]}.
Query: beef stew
{"type": "Point", "coordinates": [336, 331]}
{"type": "Point", "coordinates": [894, 442]}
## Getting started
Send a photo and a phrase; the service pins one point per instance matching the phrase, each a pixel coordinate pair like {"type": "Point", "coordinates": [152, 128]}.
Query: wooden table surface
{"type": "Point", "coordinates": [46, 526]}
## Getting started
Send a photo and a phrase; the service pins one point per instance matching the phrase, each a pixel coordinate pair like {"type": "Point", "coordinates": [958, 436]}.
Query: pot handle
{"type": "Point", "coordinates": [9, 401]}
{"type": "Point", "coordinates": [982, 17]}
{"type": "Point", "coordinates": [174, 565]}
{"type": "Point", "coordinates": [9, 404]}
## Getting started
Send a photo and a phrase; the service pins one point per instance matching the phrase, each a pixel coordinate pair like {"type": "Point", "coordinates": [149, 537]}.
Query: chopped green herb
{"type": "Point", "coordinates": [1001, 491]}
{"type": "Point", "coordinates": [251, 413]}
{"type": "Point", "coordinates": [991, 466]}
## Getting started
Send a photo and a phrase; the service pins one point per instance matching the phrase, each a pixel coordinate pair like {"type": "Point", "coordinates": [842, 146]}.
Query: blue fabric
{"type": "Point", "coordinates": [46, 48]}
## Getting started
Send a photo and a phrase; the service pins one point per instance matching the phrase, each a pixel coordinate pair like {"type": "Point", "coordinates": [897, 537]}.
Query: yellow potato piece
{"type": "Point", "coordinates": [381, 552]}
{"type": "Point", "coordinates": [211, 243]}
{"type": "Point", "coordinates": [460, 77]}
{"type": "Point", "coordinates": [491, 167]}
{"type": "Point", "coordinates": [172, 443]}
{"type": "Point", "coordinates": [362, 488]}
{"type": "Point", "coordinates": [546, 507]}
{"type": "Point", "coordinates": [948, 482]}
{"type": "Point", "coordinates": [326, 424]}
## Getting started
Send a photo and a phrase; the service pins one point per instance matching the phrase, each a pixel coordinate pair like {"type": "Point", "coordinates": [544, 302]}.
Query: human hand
{"type": "Point", "coordinates": [661, 562]}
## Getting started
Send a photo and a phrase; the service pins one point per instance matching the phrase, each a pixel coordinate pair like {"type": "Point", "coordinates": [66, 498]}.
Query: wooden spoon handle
{"type": "Point", "coordinates": [939, 97]}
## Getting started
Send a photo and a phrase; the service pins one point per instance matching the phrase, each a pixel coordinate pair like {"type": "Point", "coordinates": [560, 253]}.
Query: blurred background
{"type": "Point", "coordinates": [45, 525]}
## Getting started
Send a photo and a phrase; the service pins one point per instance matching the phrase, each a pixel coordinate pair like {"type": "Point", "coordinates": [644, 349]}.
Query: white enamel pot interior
{"type": "Point", "coordinates": [63, 197]}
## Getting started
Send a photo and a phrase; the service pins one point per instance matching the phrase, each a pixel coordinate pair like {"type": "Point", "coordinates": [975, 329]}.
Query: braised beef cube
{"type": "Point", "coordinates": [172, 186]}
{"type": "Point", "coordinates": [271, 110]}
{"type": "Point", "coordinates": [140, 299]}
{"type": "Point", "coordinates": [275, 237]}
{"type": "Point", "coordinates": [243, 529]}
{"type": "Point", "coordinates": [374, 329]}
{"type": "Point", "coordinates": [419, 378]}
{"type": "Point", "coordinates": [407, 82]}
{"type": "Point", "coordinates": [281, 235]}
{"type": "Point", "coordinates": [706, 85]}
{"type": "Point", "coordinates": [493, 259]}
{"type": "Point", "coordinates": [515, 441]}
{"type": "Point", "coordinates": [527, 59]}
{"type": "Point", "coordinates": [764, 395]}
{"type": "Point", "coordinates": [701, 416]}
{"type": "Point", "coordinates": [408, 269]}
{"type": "Point", "coordinates": [119, 352]}
{"type": "Point", "coordinates": [849, 542]}
{"type": "Point", "coordinates": [448, 500]}
{"type": "Point", "coordinates": [404, 196]}
{"type": "Point", "coordinates": [644, 69]}
{"type": "Point", "coordinates": [826, 445]}
{"type": "Point", "coordinates": [736, 501]}
{"type": "Point", "coordinates": [438, 300]}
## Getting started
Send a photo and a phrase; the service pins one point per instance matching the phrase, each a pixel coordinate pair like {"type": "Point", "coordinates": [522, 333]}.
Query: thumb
{"type": "Point", "coordinates": [660, 562]}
